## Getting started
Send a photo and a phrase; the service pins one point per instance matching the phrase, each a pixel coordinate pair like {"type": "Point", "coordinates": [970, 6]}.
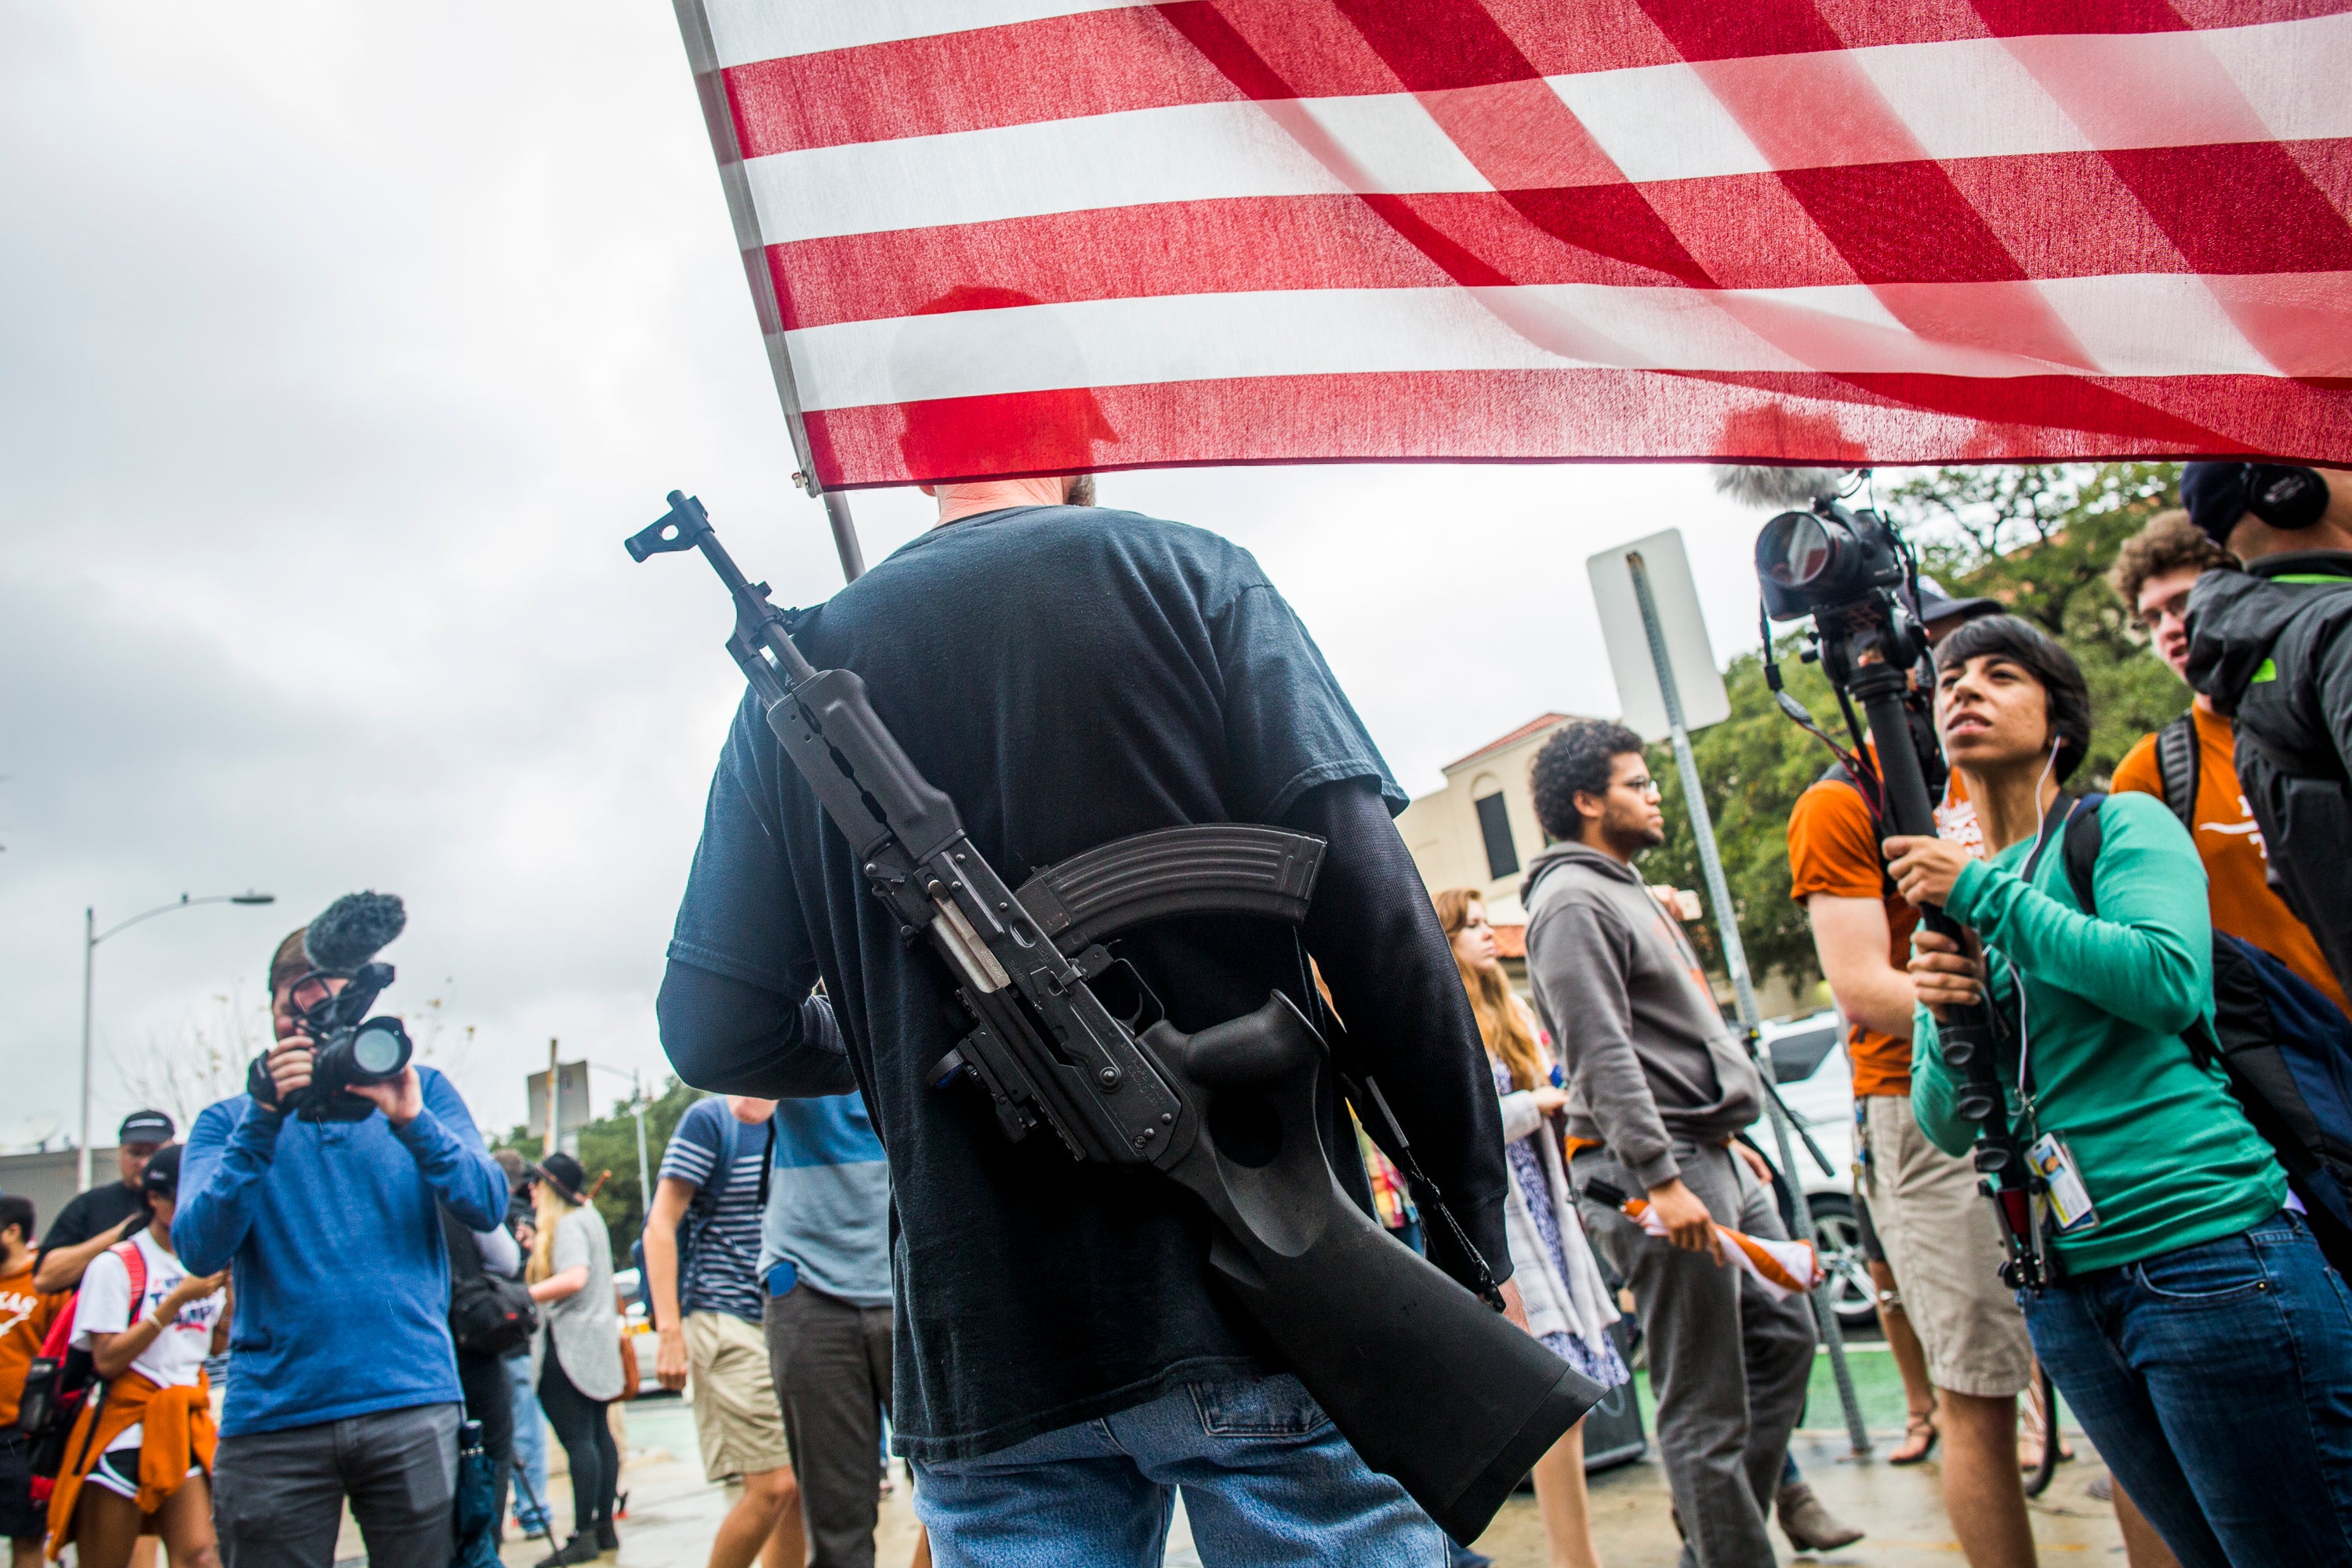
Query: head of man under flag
{"type": "Point", "coordinates": [1054, 426]}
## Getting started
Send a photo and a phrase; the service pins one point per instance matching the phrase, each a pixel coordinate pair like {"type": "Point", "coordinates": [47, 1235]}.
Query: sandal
{"type": "Point", "coordinates": [2032, 1423]}
{"type": "Point", "coordinates": [1917, 1428]}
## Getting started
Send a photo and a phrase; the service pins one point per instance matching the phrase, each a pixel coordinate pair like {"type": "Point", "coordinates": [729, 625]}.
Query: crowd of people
{"type": "Point", "coordinates": [836, 1239]}
{"type": "Point", "coordinates": [396, 1283]}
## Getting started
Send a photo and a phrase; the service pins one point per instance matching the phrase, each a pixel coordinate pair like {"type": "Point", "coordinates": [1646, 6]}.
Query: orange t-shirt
{"type": "Point", "coordinates": [25, 1318]}
{"type": "Point", "coordinates": [2231, 844]}
{"type": "Point", "coordinates": [1833, 849]}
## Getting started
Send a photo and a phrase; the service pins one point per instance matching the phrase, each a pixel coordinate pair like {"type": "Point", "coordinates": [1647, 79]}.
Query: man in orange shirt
{"type": "Point", "coordinates": [2153, 575]}
{"type": "Point", "coordinates": [25, 1317]}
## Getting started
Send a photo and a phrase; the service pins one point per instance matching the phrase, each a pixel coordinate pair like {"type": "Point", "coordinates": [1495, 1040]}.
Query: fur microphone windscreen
{"type": "Point", "coordinates": [1763, 485]}
{"type": "Point", "coordinates": [354, 930]}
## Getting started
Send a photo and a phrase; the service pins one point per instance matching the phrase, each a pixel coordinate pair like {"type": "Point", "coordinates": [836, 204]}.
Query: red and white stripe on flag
{"type": "Point", "coordinates": [998, 237]}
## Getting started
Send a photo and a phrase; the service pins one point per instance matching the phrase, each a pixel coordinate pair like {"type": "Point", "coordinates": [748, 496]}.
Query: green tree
{"type": "Point", "coordinates": [1755, 764]}
{"type": "Point", "coordinates": [2040, 540]}
{"type": "Point", "coordinates": [610, 1144]}
{"type": "Point", "coordinates": [2037, 537]}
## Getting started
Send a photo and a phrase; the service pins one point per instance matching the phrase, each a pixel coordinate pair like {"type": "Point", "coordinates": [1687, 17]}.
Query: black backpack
{"type": "Point", "coordinates": [2285, 1048]}
{"type": "Point", "coordinates": [487, 1315]}
{"type": "Point", "coordinates": [2176, 767]}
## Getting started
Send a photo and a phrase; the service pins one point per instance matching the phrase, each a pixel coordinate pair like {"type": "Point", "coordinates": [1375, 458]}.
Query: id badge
{"type": "Point", "coordinates": [2068, 1199]}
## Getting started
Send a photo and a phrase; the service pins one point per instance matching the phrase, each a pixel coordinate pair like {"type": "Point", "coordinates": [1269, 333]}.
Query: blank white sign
{"type": "Point", "coordinates": [1697, 682]}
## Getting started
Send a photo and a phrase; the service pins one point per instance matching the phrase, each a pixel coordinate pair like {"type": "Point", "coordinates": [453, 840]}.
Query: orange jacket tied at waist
{"type": "Point", "coordinates": [178, 1433]}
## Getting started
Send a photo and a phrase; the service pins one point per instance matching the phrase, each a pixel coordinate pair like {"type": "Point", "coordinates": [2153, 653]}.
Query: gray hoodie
{"type": "Point", "coordinates": [1649, 1056]}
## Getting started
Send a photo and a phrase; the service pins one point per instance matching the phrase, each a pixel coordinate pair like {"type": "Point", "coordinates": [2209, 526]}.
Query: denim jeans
{"type": "Point", "coordinates": [530, 1444]}
{"type": "Point", "coordinates": [2217, 1381]}
{"type": "Point", "coordinates": [278, 1497]}
{"type": "Point", "coordinates": [1267, 1478]}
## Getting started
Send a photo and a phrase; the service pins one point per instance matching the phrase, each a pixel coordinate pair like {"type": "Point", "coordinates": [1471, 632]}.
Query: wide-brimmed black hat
{"type": "Point", "coordinates": [564, 1173]}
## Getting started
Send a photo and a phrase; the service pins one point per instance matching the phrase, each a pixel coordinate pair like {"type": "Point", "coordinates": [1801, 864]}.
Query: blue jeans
{"type": "Point", "coordinates": [2217, 1381]}
{"type": "Point", "coordinates": [1267, 1479]}
{"type": "Point", "coordinates": [529, 1443]}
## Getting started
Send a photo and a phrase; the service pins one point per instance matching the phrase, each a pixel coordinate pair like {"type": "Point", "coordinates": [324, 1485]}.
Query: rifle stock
{"type": "Point", "coordinates": [1451, 1399]}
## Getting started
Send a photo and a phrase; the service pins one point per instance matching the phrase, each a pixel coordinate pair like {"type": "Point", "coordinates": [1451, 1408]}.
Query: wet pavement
{"type": "Point", "coordinates": [672, 1510]}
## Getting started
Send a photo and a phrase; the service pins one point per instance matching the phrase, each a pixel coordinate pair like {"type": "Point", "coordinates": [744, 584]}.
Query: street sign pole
{"type": "Point", "coordinates": [1734, 959]}
{"type": "Point", "coordinates": [644, 1183]}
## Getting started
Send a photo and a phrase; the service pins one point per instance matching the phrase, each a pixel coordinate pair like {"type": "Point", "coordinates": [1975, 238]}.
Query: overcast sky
{"type": "Point", "coordinates": [340, 347]}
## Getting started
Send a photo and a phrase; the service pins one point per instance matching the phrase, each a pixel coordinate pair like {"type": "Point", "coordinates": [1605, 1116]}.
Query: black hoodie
{"type": "Point", "coordinates": [2272, 647]}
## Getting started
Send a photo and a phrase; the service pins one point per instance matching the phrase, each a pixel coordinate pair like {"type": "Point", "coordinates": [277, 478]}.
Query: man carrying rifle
{"type": "Point", "coordinates": [1067, 676]}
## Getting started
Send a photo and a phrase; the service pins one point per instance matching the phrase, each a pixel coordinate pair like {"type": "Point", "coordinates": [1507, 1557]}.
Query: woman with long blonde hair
{"type": "Point", "coordinates": [1567, 1301]}
{"type": "Point", "coordinates": [578, 1349]}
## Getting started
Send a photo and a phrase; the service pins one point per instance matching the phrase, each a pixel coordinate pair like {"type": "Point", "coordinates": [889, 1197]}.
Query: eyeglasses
{"type": "Point", "coordinates": [2175, 606]}
{"type": "Point", "coordinates": [1644, 786]}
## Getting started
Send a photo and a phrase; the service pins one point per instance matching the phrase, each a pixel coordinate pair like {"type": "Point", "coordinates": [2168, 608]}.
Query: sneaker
{"type": "Point", "coordinates": [580, 1548]}
{"type": "Point", "coordinates": [1809, 1526]}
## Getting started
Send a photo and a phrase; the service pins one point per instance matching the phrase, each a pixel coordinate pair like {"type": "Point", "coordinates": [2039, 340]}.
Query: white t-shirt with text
{"type": "Point", "coordinates": [177, 1357]}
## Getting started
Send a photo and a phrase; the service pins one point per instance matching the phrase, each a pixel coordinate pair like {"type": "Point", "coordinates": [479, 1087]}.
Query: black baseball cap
{"type": "Point", "coordinates": [2217, 496]}
{"type": "Point", "coordinates": [163, 1174]}
{"type": "Point", "coordinates": [1940, 613]}
{"type": "Point", "coordinates": [146, 1127]}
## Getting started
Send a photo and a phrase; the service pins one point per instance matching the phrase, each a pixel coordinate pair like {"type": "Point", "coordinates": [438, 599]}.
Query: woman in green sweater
{"type": "Point", "coordinates": [2191, 1321]}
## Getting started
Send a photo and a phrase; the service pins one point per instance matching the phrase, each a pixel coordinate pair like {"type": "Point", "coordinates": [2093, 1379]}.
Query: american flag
{"type": "Point", "coordinates": [998, 237]}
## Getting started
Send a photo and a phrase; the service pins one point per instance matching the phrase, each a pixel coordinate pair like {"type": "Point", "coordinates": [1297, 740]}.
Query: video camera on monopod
{"type": "Point", "coordinates": [1855, 579]}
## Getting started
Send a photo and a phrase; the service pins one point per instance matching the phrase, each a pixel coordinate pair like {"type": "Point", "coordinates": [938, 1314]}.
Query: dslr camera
{"type": "Point", "coordinates": [348, 1046]}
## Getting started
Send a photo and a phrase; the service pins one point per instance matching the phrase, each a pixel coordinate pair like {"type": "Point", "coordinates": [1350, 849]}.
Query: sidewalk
{"type": "Point", "coordinates": [672, 1510]}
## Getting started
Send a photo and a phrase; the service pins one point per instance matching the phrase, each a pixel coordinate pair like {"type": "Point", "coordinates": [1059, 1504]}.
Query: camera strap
{"type": "Point", "coordinates": [1366, 1095]}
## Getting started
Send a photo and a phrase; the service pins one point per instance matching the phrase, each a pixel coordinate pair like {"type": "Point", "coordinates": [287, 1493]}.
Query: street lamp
{"type": "Point", "coordinates": [90, 937]}
{"type": "Point", "coordinates": [638, 1107]}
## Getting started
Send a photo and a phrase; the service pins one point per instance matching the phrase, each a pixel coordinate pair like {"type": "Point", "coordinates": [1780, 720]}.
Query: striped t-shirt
{"type": "Point", "coordinates": [721, 1276]}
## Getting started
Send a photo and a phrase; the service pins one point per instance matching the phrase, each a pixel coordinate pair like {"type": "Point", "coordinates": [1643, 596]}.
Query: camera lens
{"type": "Point", "coordinates": [377, 1050]}
{"type": "Point", "coordinates": [1795, 549]}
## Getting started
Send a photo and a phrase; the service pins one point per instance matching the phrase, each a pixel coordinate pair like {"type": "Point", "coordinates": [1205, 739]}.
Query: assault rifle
{"type": "Point", "coordinates": [1431, 1387]}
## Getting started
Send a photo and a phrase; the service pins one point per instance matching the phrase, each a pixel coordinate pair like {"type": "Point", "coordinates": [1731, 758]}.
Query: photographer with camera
{"type": "Point", "coordinates": [2186, 1313]}
{"type": "Point", "coordinates": [1943, 1248]}
{"type": "Point", "coordinates": [140, 1447]}
{"type": "Point", "coordinates": [2271, 647]}
{"type": "Point", "coordinates": [320, 1184]}
{"type": "Point", "coordinates": [103, 1217]}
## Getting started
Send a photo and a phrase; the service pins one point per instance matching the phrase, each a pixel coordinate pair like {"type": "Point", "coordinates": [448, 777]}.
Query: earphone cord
{"type": "Point", "coordinates": [2024, 1034]}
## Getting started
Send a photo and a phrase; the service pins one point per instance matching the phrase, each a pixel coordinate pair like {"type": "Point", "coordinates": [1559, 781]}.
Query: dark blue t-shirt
{"type": "Point", "coordinates": [1067, 677]}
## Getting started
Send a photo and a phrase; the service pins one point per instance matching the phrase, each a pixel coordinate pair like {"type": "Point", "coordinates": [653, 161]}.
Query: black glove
{"type": "Point", "coordinates": [260, 1085]}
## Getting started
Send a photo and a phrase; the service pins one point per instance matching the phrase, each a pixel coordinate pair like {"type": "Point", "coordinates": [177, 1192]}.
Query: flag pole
{"type": "Point", "coordinates": [718, 121]}
{"type": "Point", "coordinates": [845, 535]}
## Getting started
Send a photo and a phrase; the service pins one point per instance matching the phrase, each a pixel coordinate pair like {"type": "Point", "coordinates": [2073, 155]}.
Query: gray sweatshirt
{"type": "Point", "coordinates": [1649, 1056]}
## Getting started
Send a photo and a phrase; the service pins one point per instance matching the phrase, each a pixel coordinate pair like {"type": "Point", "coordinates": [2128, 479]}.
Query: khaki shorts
{"type": "Point", "coordinates": [736, 1416]}
{"type": "Point", "coordinates": [1944, 1246]}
